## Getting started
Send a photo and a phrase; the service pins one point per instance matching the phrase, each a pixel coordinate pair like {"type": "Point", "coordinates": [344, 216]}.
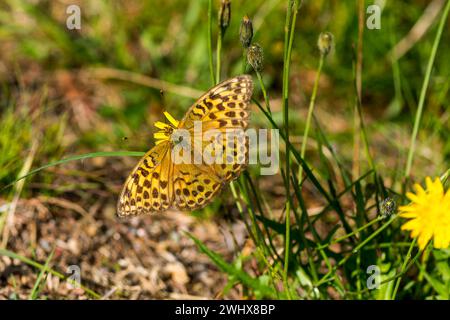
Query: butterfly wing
{"type": "Point", "coordinates": [224, 108]}
{"type": "Point", "coordinates": [148, 188]}
{"type": "Point", "coordinates": [156, 183]}
{"type": "Point", "coordinates": [194, 186]}
{"type": "Point", "coordinates": [221, 105]}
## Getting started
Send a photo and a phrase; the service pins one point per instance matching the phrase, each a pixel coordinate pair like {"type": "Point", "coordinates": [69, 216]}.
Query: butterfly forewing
{"type": "Point", "coordinates": [225, 108]}
{"type": "Point", "coordinates": [220, 105]}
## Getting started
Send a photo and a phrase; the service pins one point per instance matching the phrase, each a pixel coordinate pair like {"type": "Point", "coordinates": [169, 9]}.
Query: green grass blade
{"type": "Point", "coordinates": [210, 53]}
{"type": "Point", "coordinates": [296, 155]}
{"type": "Point", "coordinates": [37, 285]}
{"type": "Point", "coordinates": [13, 255]}
{"type": "Point", "coordinates": [79, 157]}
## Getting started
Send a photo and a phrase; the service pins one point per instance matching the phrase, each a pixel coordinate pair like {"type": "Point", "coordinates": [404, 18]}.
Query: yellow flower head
{"type": "Point", "coordinates": [429, 212]}
{"type": "Point", "coordinates": [165, 129]}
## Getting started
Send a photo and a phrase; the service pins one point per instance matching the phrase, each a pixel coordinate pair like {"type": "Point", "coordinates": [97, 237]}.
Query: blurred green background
{"type": "Point", "coordinates": [68, 92]}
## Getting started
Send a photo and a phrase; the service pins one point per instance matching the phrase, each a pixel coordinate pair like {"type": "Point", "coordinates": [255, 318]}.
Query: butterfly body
{"type": "Point", "coordinates": [159, 181]}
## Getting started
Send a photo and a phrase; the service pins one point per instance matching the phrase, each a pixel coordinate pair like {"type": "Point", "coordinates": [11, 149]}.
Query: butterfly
{"type": "Point", "coordinates": [159, 182]}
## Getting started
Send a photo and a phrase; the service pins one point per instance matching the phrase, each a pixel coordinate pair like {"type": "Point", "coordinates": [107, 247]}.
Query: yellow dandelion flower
{"type": "Point", "coordinates": [429, 212]}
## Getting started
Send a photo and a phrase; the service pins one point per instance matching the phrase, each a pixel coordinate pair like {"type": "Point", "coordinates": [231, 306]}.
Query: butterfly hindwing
{"type": "Point", "coordinates": [194, 187]}
{"type": "Point", "coordinates": [142, 192]}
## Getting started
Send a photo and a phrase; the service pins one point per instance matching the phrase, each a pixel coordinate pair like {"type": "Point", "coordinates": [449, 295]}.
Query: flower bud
{"type": "Point", "coordinates": [255, 57]}
{"type": "Point", "coordinates": [388, 207]}
{"type": "Point", "coordinates": [246, 31]}
{"type": "Point", "coordinates": [325, 43]}
{"type": "Point", "coordinates": [224, 14]}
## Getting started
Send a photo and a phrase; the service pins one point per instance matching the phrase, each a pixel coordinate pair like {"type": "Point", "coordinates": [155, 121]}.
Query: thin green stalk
{"type": "Point", "coordinates": [358, 85]}
{"type": "Point", "coordinates": [263, 249]}
{"type": "Point", "coordinates": [255, 233]}
{"type": "Point", "coordinates": [359, 125]}
{"type": "Point", "coordinates": [235, 196]}
{"type": "Point", "coordinates": [252, 230]}
{"type": "Point", "coordinates": [291, 18]}
{"type": "Point", "coordinates": [362, 127]}
{"type": "Point", "coordinates": [310, 258]}
{"type": "Point", "coordinates": [388, 245]}
{"type": "Point", "coordinates": [210, 53]}
{"type": "Point", "coordinates": [310, 113]}
{"type": "Point", "coordinates": [314, 233]}
{"type": "Point", "coordinates": [402, 270]}
{"type": "Point", "coordinates": [244, 61]}
{"type": "Point", "coordinates": [263, 89]}
{"type": "Point", "coordinates": [328, 276]}
{"type": "Point", "coordinates": [218, 55]}
{"type": "Point", "coordinates": [298, 158]}
{"type": "Point", "coordinates": [358, 276]}
{"type": "Point", "coordinates": [351, 234]}
{"type": "Point", "coordinates": [36, 288]}
{"type": "Point", "coordinates": [78, 157]}
{"type": "Point", "coordinates": [258, 202]}
{"type": "Point", "coordinates": [373, 235]}
{"type": "Point", "coordinates": [423, 92]}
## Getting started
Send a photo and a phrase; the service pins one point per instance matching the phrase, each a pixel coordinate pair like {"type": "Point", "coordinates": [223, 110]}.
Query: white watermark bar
{"type": "Point", "coordinates": [228, 147]}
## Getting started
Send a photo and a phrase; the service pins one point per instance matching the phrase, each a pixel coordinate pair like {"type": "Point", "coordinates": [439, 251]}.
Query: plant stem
{"type": "Point", "coordinates": [310, 113]}
{"type": "Point", "coordinates": [291, 18]}
{"type": "Point", "coordinates": [36, 288]}
{"type": "Point", "coordinates": [373, 235]}
{"type": "Point", "coordinates": [263, 89]}
{"type": "Point", "coordinates": [364, 136]}
{"type": "Point", "coordinates": [405, 263]}
{"type": "Point", "coordinates": [358, 83]}
{"type": "Point", "coordinates": [244, 61]}
{"type": "Point", "coordinates": [352, 233]}
{"type": "Point", "coordinates": [218, 53]}
{"type": "Point", "coordinates": [423, 92]}
{"type": "Point", "coordinates": [210, 53]}
{"type": "Point", "coordinates": [235, 196]}
{"type": "Point", "coordinates": [329, 276]}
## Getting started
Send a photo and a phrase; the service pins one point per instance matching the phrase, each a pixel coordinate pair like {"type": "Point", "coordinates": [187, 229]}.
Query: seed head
{"type": "Point", "coordinates": [246, 32]}
{"type": "Point", "coordinates": [325, 43]}
{"type": "Point", "coordinates": [224, 14]}
{"type": "Point", "coordinates": [255, 57]}
{"type": "Point", "coordinates": [388, 207]}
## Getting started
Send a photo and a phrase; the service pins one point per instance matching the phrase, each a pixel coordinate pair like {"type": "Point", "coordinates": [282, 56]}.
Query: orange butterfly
{"type": "Point", "coordinates": [158, 182]}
